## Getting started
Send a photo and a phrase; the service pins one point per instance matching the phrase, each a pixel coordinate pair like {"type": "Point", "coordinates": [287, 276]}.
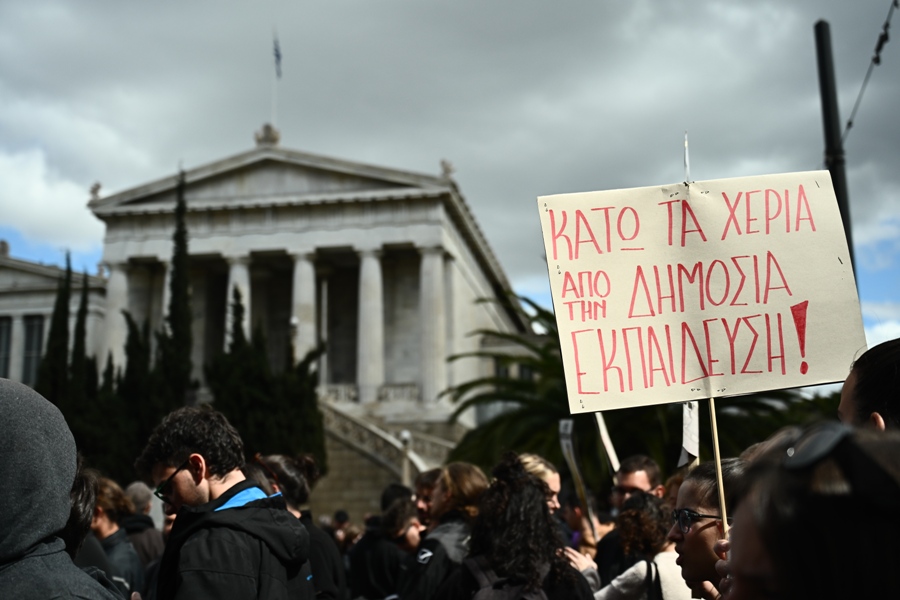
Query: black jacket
{"type": "Point", "coordinates": [123, 558]}
{"type": "Point", "coordinates": [37, 467]}
{"type": "Point", "coordinates": [236, 548]}
{"type": "Point", "coordinates": [329, 579]}
{"type": "Point", "coordinates": [572, 586]}
{"type": "Point", "coordinates": [442, 550]}
{"type": "Point", "coordinates": [375, 563]}
{"type": "Point", "coordinates": [145, 537]}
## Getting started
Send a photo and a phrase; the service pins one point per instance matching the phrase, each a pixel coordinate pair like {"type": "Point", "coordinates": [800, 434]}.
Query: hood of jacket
{"type": "Point", "coordinates": [266, 519]}
{"type": "Point", "coordinates": [37, 468]}
{"type": "Point", "coordinates": [137, 523]}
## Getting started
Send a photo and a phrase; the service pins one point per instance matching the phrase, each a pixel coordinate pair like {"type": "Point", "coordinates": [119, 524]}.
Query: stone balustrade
{"type": "Point", "coordinates": [377, 444]}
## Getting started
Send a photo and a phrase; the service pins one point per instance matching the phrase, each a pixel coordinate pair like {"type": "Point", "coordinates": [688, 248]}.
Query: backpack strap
{"type": "Point", "coordinates": [652, 583]}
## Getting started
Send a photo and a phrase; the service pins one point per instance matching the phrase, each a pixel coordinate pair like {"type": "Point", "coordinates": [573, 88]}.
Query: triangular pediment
{"type": "Point", "coordinates": [272, 175]}
{"type": "Point", "coordinates": [18, 278]}
{"type": "Point", "coordinates": [16, 274]}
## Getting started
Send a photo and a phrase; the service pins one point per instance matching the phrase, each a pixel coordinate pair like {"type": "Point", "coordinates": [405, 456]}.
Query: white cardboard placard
{"type": "Point", "coordinates": [725, 287]}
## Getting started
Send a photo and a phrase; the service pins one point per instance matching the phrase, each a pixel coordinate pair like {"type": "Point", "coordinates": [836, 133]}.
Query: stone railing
{"type": "Point", "coordinates": [377, 444]}
{"type": "Point", "coordinates": [399, 392]}
{"type": "Point", "coordinates": [433, 450]}
{"type": "Point", "coordinates": [343, 393]}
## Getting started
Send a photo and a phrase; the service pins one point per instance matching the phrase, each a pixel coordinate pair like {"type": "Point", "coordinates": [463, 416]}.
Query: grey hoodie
{"type": "Point", "coordinates": [37, 468]}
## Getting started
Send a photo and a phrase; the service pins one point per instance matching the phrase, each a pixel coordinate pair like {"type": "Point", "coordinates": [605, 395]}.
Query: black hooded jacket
{"type": "Point", "coordinates": [37, 468]}
{"type": "Point", "coordinates": [255, 550]}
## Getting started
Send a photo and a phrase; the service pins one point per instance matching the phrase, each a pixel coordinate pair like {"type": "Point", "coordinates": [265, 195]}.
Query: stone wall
{"type": "Point", "coordinates": [354, 483]}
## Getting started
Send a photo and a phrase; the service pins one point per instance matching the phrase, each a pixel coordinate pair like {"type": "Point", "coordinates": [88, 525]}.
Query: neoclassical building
{"type": "Point", "coordinates": [385, 266]}
{"type": "Point", "coordinates": [27, 296]}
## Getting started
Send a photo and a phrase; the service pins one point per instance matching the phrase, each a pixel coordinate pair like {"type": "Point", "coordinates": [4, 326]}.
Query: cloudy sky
{"type": "Point", "coordinates": [524, 98]}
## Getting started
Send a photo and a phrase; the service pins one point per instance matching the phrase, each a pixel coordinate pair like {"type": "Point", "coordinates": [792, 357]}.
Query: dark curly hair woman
{"type": "Point", "coordinates": [514, 539]}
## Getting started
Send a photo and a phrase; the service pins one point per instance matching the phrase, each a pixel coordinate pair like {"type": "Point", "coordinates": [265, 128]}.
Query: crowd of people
{"type": "Point", "coordinates": [812, 512]}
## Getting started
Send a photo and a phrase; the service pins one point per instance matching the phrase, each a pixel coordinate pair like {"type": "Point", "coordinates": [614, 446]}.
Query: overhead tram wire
{"type": "Point", "coordinates": [883, 38]}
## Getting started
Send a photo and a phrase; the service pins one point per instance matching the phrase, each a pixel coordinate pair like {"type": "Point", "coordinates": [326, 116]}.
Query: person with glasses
{"type": "Point", "coordinates": [820, 519]}
{"type": "Point", "coordinates": [230, 539]}
{"type": "Point", "coordinates": [637, 473]}
{"type": "Point", "coordinates": [697, 523]}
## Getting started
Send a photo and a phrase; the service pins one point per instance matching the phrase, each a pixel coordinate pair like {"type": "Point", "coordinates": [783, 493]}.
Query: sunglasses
{"type": "Point", "coordinates": [162, 490]}
{"type": "Point", "coordinates": [624, 490]}
{"type": "Point", "coordinates": [686, 517]}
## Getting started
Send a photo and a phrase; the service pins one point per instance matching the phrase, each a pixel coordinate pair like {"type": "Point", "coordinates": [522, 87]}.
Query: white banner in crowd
{"type": "Point", "coordinates": [673, 293]}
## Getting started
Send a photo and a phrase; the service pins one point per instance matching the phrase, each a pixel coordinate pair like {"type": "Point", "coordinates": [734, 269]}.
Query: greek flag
{"type": "Point", "coordinates": [277, 53]}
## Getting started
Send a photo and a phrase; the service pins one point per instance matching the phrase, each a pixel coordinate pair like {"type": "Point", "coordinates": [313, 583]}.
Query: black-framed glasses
{"type": "Point", "coordinates": [686, 517]}
{"type": "Point", "coordinates": [162, 489]}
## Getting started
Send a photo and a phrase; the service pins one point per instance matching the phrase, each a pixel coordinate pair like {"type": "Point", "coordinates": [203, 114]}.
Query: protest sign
{"type": "Point", "coordinates": [717, 288]}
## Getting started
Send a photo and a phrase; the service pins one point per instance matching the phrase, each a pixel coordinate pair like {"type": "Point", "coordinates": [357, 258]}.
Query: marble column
{"type": "Point", "coordinates": [166, 291]}
{"type": "Point", "coordinates": [16, 348]}
{"type": "Point", "coordinates": [303, 305]}
{"type": "Point", "coordinates": [323, 326]}
{"type": "Point", "coordinates": [370, 337]}
{"type": "Point", "coordinates": [238, 277]}
{"type": "Point", "coordinates": [433, 323]}
{"type": "Point", "coordinates": [116, 328]}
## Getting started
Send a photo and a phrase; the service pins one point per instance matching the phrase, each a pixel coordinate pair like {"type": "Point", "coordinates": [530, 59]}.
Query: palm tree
{"type": "Point", "coordinates": [536, 404]}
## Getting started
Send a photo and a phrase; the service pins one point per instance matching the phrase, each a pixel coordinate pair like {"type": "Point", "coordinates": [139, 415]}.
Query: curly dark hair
{"type": "Point", "coordinates": [514, 529]}
{"type": "Point", "coordinates": [189, 430]}
{"type": "Point", "coordinates": [643, 524]}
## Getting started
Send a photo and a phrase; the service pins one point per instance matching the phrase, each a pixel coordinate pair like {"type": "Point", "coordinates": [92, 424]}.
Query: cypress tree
{"type": "Point", "coordinates": [300, 404]}
{"type": "Point", "coordinates": [274, 412]}
{"type": "Point", "coordinates": [78, 369]}
{"type": "Point", "coordinates": [173, 363]}
{"type": "Point", "coordinates": [240, 380]}
{"type": "Point", "coordinates": [53, 372]}
{"type": "Point", "coordinates": [129, 414]}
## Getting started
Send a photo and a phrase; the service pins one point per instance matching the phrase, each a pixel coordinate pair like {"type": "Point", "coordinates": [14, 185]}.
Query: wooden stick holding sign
{"type": "Point", "coordinates": [723, 512]}
{"type": "Point", "coordinates": [690, 424]}
{"type": "Point", "coordinates": [718, 458]}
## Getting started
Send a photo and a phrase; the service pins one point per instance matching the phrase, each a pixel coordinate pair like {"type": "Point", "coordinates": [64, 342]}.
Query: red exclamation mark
{"type": "Point", "coordinates": [798, 311]}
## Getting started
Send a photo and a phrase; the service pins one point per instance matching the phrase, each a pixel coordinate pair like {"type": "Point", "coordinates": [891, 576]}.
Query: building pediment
{"type": "Point", "coordinates": [20, 275]}
{"type": "Point", "coordinates": [271, 176]}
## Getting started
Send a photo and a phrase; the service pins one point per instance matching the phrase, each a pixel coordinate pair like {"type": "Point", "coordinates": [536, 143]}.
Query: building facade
{"type": "Point", "coordinates": [386, 267]}
{"type": "Point", "coordinates": [27, 295]}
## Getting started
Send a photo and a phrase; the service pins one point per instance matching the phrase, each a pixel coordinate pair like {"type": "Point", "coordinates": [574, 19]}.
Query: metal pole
{"type": "Point", "coordinates": [834, 147]}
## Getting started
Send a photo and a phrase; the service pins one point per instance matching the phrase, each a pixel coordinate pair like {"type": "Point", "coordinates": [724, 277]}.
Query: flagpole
{"type": "Point", "coordinates": [276, 76]}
